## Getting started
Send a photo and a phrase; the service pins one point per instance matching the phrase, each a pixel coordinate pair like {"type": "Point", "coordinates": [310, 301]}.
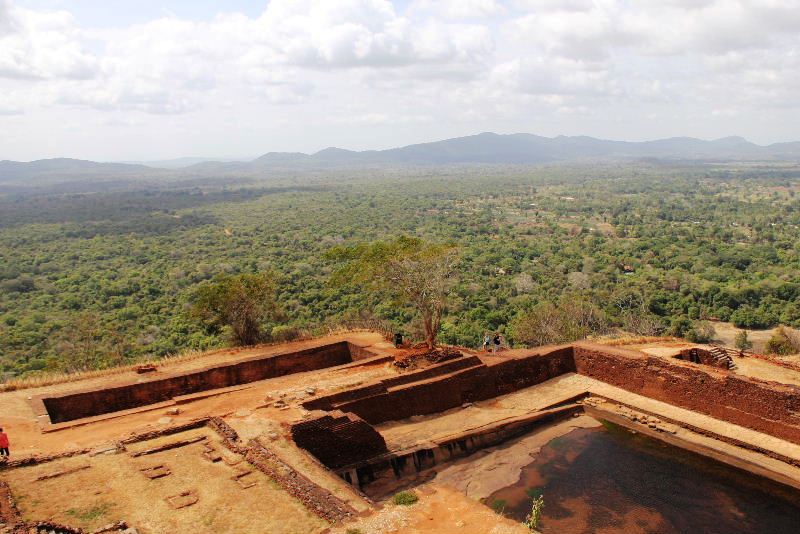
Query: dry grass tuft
{"type": "Point", "coordinates": [637, 340]}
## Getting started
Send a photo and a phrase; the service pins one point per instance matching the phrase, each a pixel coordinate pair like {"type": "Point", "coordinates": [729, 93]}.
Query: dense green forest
{"type": "Point", "coordinates": [93, 279]}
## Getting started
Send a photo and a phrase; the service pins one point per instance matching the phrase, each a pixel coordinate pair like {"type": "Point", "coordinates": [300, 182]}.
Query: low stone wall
{"type": "Point", "coordinates": [41, 459]}
{"type": "Point", "coordinates": [316, 499]}
{"type": "Point", "coordinates": [165, 431]}
{"type": "Point", "coordinates": [767, 407]}
{"type": "Point", "coordinates": [92, 402]}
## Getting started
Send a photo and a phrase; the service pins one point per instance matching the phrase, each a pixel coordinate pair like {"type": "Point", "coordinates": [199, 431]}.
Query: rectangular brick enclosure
{"type": "Point", "coordinates": [767, 407]}
{"type": "Point", "coordinates": [92, 402]}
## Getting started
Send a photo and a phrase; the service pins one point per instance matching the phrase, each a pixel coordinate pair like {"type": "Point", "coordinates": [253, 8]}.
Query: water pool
{"type": "Point", "coordinates": [609, 480]}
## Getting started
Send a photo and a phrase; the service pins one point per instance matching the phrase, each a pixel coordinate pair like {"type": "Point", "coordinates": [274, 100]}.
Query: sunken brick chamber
{"type": "Point", "coordinates": [92, 402]}
{"type": "Point", "coordinates": [767, 407]}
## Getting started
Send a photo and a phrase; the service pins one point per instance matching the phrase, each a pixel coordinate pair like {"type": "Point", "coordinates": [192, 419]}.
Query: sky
{"type": "Point", "coordinates": [114, 80]}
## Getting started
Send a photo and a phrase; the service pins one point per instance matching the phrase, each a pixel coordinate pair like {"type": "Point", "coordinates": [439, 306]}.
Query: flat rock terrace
{"type": "Point", "coordinates": [316, 435]}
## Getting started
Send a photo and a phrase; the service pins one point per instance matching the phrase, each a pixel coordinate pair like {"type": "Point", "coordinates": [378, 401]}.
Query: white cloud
{"type": "Point", "coordinates": [590, 30]}
{"type": "Point", "coordinates": [10, 104]}
{"type": "Point", "coordinates": [171, 65]}
{"type": "Point", "coordinates": [458, 9]}
{"type": "Point", "coordinates": [553, 5]}
{"type": "Point", "coordinates": [372, 64]}
{"type": "Point", "coordinates": [360, 33]}
{"type": "Point", "coordinates": [36, 44]}
{"type": "Point", "coordinates": [543, 76]}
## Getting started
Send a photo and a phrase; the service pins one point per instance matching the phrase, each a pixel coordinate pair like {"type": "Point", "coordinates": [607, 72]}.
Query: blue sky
{"type": "Point", "coordinates": [144, 80]}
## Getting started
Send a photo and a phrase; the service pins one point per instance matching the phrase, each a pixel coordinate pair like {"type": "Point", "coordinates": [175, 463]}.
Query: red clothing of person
{"type": "Point", "coordinates": [3, 440]}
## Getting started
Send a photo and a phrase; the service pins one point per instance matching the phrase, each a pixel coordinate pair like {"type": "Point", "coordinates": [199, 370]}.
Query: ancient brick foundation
{"type": "Point", "coordinates": [318, 500]}
{"type": "Point", "coordinates": [420, 393]}
{"type": "Point", "coordinates": [767, 407]}
{"type": "Point", "coordinates": [12, 523]}
{"type": "Point", "coordinates": [93, 402]}
{"type": "Point", "coordinates": [702, 356]}
{"type": "Point", "coordinates": [338, 439]}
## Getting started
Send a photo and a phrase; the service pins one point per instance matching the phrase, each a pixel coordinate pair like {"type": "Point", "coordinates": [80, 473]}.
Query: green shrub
{"type": "Point", "coordinates": [533, 518]}
{"type": "Point", "coordinates": [701, 332]}
{"type": "Point", "coordinates": [282, 333]}
{"type": "Point", "coordinates": [748, 317]}
{"type": "Point", "coordinates": [499, 506]}
{"type": "Point", "coordinates": [405, 498]}
{"type": "Point", "coordinates": [742, 342]}
{"type": "Point", "coordinates": [534, 493]}
{"type": "Point", "coordinates": [780, 343]}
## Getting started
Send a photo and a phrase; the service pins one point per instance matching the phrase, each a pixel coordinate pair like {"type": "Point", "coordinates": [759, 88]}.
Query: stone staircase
{"type": "Point", "coordinates": [722, 358]}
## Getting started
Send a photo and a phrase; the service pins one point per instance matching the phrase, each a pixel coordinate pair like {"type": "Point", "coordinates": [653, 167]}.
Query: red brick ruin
{"type": "Point", "coordinates": [94, 402]}
{"type": "Point", "coordinates": [340, 430]}
{"type": "Point", "coordinates": [340, 433]}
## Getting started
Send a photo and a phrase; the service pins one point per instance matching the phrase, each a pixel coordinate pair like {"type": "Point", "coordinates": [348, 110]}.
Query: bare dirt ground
{"type": "Point", "coordinates": [113, 488]}
{"type": "Point", "coordinates": [766, 371]}
{"type": "Point", "coordinates": [746, 365]}
{"type": "Point", "coordinates": [726, 334]}
{"type": "Point", "coordinates": [440, 510]}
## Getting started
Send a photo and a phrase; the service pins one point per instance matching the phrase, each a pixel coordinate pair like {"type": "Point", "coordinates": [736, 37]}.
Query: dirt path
{"type": "Point", "coordinates": [726, 334]}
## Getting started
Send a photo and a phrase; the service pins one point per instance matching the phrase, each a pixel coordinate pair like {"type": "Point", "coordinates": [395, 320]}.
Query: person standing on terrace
{"type": "Point", "coordinates": [4, 444]}
{"type": "Point", "coordinates": [496, 342]}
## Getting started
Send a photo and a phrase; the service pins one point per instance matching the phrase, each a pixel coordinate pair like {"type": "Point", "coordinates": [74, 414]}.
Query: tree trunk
{"type": "Point", "coordinates": [430, 332]}
{"type": "Point", "coordinates": [431, 341]}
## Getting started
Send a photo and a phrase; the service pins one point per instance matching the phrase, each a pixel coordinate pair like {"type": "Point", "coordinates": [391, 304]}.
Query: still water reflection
{"type": "Point", "coordinates": [609, 480]}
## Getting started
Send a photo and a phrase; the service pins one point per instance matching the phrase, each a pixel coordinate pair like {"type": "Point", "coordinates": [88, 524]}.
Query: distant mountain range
{"type": "Point", "coordinates": [179, 163]}
{"type": "Point", "coordinates": [485, 148]}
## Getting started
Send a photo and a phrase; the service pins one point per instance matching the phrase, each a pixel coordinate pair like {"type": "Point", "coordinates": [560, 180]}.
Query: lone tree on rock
{"type": "Point", "coordinates": [409, 269]}
{"type": "Point", "coordinates": [241, 302]}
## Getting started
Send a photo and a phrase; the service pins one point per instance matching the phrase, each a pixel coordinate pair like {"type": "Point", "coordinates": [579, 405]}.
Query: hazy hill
{"type": "Point", "coordinates": [485, 148]}
{"type": "Point", "coordinates": [61, 169]}
{"type": "Point", "coordinates": [179, 163]}
{"type": "Point", "coordinates": [491, 148]}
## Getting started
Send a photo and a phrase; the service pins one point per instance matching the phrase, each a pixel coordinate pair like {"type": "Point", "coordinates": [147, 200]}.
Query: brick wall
{"type": "Point", "coordinates": [767, 407]}
{"type": "Point", "coordinates": [376, 404]}
{"type": "Point", "coordinates": [91, 402]}
{"type": "Point", "coordinates": [338, 439]}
